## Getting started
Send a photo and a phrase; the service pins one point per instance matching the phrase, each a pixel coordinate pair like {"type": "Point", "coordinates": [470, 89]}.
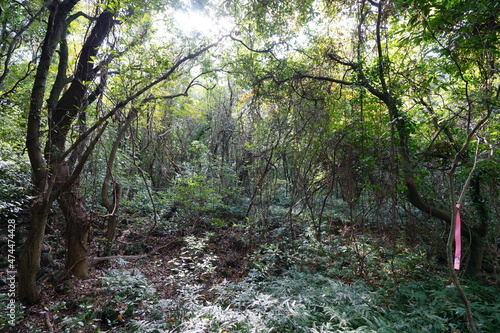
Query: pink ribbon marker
{"type": "Point", "coordinates": [458, 241]}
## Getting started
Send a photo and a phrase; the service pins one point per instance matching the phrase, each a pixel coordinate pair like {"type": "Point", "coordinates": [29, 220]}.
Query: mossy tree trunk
{"type": "Point", "coordinates": [29, 259]}
{"type": "Point", "coordinates": [76, 232]}
{"type": "Point", "coordinates": [42, 186]}
{"type": "Point", "coordinates": [52, 179]}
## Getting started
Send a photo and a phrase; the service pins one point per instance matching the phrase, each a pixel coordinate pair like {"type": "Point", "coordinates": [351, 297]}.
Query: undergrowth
{"type": "Point", "coordinates": [311, 287]}
{"type": "Point", "coordinates": [303, 302]}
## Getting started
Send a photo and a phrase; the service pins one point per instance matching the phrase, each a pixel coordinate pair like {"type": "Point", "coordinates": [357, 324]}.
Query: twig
{"type": "Point", "coordinates": [133, 257]}
{"type": "Point", "coordinates": [49, 325]}
{"type": "Point", "coordinates": [454, 276]}
{"type": "Point", "coordinates": [148, 189]}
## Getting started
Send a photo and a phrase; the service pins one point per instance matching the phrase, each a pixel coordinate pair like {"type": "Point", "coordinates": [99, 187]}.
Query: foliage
{"type": "Point", "coordinates": [301, 296]}
{"type": "Point", "coordinates": [193, 191]}
{"type": "Point", "coordinates": [7, 309]}
{"type": "Point", "coordinates": [195, 262]}
{"type": "Point", "coordinates": [307, 302]}
{"type": "Point", "coordinates": [138, 202]}
{"type": "Point", "coordinates": [206, 190]}
{"type": "Point", "coordinates": [86, 319]}
{"type": "Point", "coordinates": [131, 296]}
{"type": "Point", "coordinates": [128, 285]}
{"type": "Point", "coordinates": [329, 129]}
{"type": "Point", "coordinates": [14, 182]}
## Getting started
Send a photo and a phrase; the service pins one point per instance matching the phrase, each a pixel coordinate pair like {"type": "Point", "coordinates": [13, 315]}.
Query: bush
{"type": "Point", "coordinates": [5, 312]}
{"type": "Point", "coordinates": [296, 300]}
{"type": "Point", "coordinates": [14, 183]}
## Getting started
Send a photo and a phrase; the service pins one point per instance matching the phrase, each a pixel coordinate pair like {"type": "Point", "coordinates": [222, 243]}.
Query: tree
{"type": "Point", "coordinates": [56, 167]}
{"type": "Point", "coordinates": [359, 101]}
{"type": "Point", "coordinates": [453, 68]}
{"type": "Point", "coordinates": [437, 73]}
{"type": "Point", "coordinates": [53, 176]}
{"type": "Point", "coordinates": [466, 57]}
{"type": "Point", "coordinates": [20, 24]}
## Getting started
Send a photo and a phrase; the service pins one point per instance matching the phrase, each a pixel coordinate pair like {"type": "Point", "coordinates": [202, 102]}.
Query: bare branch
{"type": "Point", "coordinates": [120, 105]}
{"type": "Point", "coordinates": [323, 78]}
{"type": "Point", "coordinates": [268, 50]}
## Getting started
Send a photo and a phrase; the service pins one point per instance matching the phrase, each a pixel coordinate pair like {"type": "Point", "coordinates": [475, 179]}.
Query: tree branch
{"type": "Point", "coordinates": [323, 78]}
{"type": "Point", "coordinates": [120, 105]}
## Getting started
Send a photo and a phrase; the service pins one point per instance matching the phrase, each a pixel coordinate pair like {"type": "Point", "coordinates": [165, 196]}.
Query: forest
{"type": "Point", "coordinates": [249, 166]}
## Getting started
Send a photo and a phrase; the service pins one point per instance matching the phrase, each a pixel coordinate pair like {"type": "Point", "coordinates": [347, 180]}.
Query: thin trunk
{"type": "Point", "coordinates": [454, 276]}
{"type": "Point", "coordinates": [112, 205]}
{"type": "Point", "coordinates": [477, 248]}
{"type": "Point", "coordinates": [449, 247]}
{"type": "Point", "coordinates": [480, 232]}
{"type": "Point", "coordinates": [112, 218]}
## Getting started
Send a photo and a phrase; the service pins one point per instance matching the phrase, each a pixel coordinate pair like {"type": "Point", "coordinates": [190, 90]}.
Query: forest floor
{"type": "Point", "coordinates": [383, 277]}
{"type": "Point", "coordinates": [154, 256]}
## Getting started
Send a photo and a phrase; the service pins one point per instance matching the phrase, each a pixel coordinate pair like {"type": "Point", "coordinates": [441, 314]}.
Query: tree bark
{"type": "Point", "coordinates": [476, 251]}
{"type": "Point", "coordinates": [478, 233]}
{"type": "Point", "coordinates": [77, 228]}
{"type": "Point", "coordinates": [46, 168]}
{"type": "Point", "coordinates": [73, 101]}
{"type": "Point", "coordinates": [112, 205]}
{"type": "Point", "coordinates": [29, 260]}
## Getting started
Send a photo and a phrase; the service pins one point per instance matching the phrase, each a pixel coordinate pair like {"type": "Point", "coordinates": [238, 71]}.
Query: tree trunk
{"type": "Point", "coordinates": [77, 229]}
{"type": "Point", "coordinates": [112, 209]}
{"type": "Point", "coordinates": [111, 229]}
{"type": "Point", "coordinates": [476, 248]}
{"type": "Point", "coordinates": [112, 206]}
{"type": "Point", "coordinates": [478, 233]}
{"type": "Point", "coordinates": [29, 259]}
{"type": "Point", "coordinates": [65, 112]}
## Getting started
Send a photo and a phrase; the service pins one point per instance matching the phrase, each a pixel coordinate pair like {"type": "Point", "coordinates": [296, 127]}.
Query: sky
{"type": "Point", "coordinates": [195, 22]}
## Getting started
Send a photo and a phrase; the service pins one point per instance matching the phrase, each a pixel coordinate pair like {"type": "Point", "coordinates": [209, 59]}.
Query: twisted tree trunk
{"type": "Point", "coordinates": [112, 205]}
{"type": "Point", "coordinates": [29, 260]}
{"type": "Point", "coordinates": [76, 232]}
{"type": "Point", "coordinates": [52, 178]}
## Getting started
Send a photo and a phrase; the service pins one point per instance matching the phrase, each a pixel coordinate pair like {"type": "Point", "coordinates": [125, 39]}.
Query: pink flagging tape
{"type": "Point", "coordinates": [458, 241]}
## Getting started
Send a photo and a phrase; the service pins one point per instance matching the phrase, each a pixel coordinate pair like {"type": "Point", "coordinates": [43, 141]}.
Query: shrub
{"type": "Point", "coordinates": [6, 311]}
{"type": "Point", "coordinates": [14, 183]}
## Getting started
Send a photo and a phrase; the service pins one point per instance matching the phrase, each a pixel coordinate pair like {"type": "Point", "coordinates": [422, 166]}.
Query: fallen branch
{"type": "Point", "coordinates": [95, 260]}
{"type": "Point", "coordinates": [49, 325]}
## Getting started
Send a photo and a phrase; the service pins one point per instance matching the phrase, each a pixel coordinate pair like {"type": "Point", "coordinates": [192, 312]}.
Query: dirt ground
{"type": "Point", "coordinates": [150, 250]}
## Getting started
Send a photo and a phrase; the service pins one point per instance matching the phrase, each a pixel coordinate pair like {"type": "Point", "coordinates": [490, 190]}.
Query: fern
{"type": "Point", "coordinates": [294, 301]}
